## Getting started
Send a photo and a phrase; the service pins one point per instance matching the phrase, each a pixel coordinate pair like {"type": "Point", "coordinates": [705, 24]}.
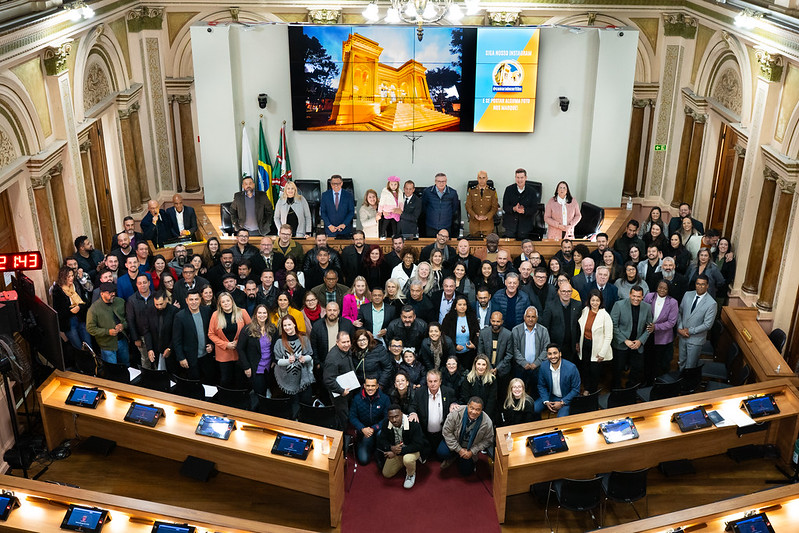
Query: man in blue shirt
{"type": "Point", "coordinates": [337, 209]}
{"type": "Point", "coordinates": [441, 206]}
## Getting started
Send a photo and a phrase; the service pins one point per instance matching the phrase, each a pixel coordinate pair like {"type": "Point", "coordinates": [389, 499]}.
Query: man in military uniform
{"type": "Point", "coordinates": [482, 205]}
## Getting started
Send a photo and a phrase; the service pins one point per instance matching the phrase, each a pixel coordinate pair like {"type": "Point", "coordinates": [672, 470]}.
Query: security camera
{"type": "Point", "coordinates": [621, 34]}
{"type": "Point", "coordinates": [210, 30]}
{"type": "Point", "coordinates": [262, 99]}
{"type": "Point", "coordinates": [564, 103]}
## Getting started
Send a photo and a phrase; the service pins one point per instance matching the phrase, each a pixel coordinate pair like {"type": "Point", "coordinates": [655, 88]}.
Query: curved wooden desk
{"type": "Point", "coordinates": [246, 454]}
{"type": "Point", "coordinates": [780, 505]}
{"type": "Point", "coordinates": [660, 439]}
{"type": "Point", "coordinates": [42, 508]}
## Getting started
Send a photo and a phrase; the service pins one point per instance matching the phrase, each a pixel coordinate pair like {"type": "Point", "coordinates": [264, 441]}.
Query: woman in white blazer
{"type": "Point", "coordinates": [292, 209]}
{"type": "Point", "coordinates": [596, 328]}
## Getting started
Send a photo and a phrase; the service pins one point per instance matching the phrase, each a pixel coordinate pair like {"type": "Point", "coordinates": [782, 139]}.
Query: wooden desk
{"type": "Point", "coordinates": [757, 348]}
{"type": "Point", "coordinates": [660, 439]}
{"type": "Point", "coordinates": [711, 518]}
{"type": "Point", "coordinates": [246, 454]}
{"type": "Point", "coordinates": [209, 221]}
{"type": "Point", "coordinates": [43, 505]}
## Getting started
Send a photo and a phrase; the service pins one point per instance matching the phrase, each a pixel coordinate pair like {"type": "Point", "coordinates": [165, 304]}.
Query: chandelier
{"type": "Point", "coordinates": [421, 12]}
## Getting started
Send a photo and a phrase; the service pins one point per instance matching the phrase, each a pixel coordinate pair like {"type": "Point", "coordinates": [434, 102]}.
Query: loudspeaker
{"type": "Point", "coordinates": [199, 469]}
{"type": "Point", "coordinates": [99, 445]}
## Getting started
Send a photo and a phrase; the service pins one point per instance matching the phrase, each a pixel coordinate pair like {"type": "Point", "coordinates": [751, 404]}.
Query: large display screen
{"type": "Point", "coordinates": [382, 78]}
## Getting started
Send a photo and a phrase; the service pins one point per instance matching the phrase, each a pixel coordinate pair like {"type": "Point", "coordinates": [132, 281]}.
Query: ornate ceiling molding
{"type": "Point", "coordinates": [503, 18]}
{"type": "Point", "coordinates": [324, 16]}
{"type": "Point", "coordinates": [679, 25]}
{"type": "Point", "coordinates": [771, 65]}
{"type": "Point", "coordinates": [55, 58]}
{"type": "Point", "coordinates": [145, 18]}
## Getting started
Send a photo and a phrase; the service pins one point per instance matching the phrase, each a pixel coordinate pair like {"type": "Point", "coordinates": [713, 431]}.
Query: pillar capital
{"type": "Point", "coordinates": [85, 146]}
{"type": "Point", "coordinates": [183, 99]}
{"type": "Point", "coordinates": [55, 58]}
{"type": "Point", "coordinates": [679, 25]}
{"type": "Point", "coordinates": [641, 102]}
{"type": "Point", "coordinates": [324, 16]}
{"type": "Point", "coordinates": [769, 175]}
{"type": "Point", "coordinates": [125, 113]}
{"type": "Point", "coordinates": [505, 18]}
{"type": "Point", "coordinates": [740, 151]}
{"type": "Point", "coordinates": [786, 186]}
{"type": "Point", "coordinates": [771, 65]}
{"type": "Point", "coordinates": [145, 18]}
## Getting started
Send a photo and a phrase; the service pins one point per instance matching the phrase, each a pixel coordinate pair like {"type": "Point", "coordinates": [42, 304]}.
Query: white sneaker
{"type": "Point", "coordinates": [409, 481]}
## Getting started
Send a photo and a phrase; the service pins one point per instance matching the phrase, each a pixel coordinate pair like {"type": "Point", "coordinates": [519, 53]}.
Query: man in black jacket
{"type": "Point", "coordinates": [449, 253]}
{"type": "Point", "coordinates": [519, 203]}
{"type": "Point", "coordinates": [322, 329]}
{"type": "Point", "coordinates": [267, 292]}
{"type": "Point", "coordinates": [412, 209]}
{"type": "Point", "coordinates": [352, 258]}
{"type": "Point", "coordinates": [154, 225]}
{"type": "Point", "coordinates": [401, 441]}
{"type": "Point", "coordinates": [137, 308]}
{"type": "Point", "coordinates": [310, 256]}
{"type": "Point", "coordinates": [337, 363]}
{"type": "Point", "coordinates": [216, 272]}
{"type": "Point", "coordinates": [407, 328]}
{"type": "Point", "coordinates": [230, 285]}
{"type": "Point", "coordinates": [158, 333]}
{"type": "Point", "coordinates": [420, 302]}
{"type": "Point", "coordinates": [182, 286]}
{"type": "Point", "coordinates": [560, 319]}
{"type": "Point", "coordinates": [192, 346]}
{"type": "Point", "coordinates": [430, 406]}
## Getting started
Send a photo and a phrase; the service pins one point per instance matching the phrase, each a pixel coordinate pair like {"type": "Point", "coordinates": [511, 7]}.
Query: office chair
{"type": "Point", "coordinates": [577, 495]}
{"type": "Point", "coordinates": [625, 487]}
{"type": "Point", "coordinates": [778, 338]}
{"type": "Point", "coordinates": [619, 397]}
{"type": "Point", "coordinates": [116, 372]}
{"type": "Point", "coordinates": [237, 398]}
{"type": "Point", "coordinates": [188, 388]}
{"type": "Point", "coordinates": [155, 380]}
{"type": "Point", "coordinates": [317, 416]}
{"type": "Point", "coordinates": [585, 404]}
{"type": "Point", "coordinates": [660, 390]}
{"type": "Point", "coordinates": [279, 407]}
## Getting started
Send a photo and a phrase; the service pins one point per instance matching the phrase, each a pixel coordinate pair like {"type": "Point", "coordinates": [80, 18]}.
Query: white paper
{"type": "Point", "coordinates": [734, 416]}
{"type": "Point", "coordinates": [347, 381]}
{"type": "Point", "coordinates": [210, 391]}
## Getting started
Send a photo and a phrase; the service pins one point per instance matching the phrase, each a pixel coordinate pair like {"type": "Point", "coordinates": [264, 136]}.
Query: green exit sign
{"type": "Point", "coordinates": [660, 147]}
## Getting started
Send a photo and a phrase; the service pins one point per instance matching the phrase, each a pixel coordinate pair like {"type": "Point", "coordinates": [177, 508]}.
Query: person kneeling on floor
{"type": "Point", "coordinates": [401, 441]}
{"type": "Point", "coordinates": [367, 413]}
{"type": "Point", "coordinates": [467, 432]}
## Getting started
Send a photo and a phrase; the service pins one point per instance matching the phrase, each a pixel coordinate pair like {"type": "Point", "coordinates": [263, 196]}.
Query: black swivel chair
{"type": "Point", "coordinates": [227, 220]}
{"type": "Point", "coordinates": [778, 338]}
{"type": "Point", "coordinates": [116, 372]}
{"type": "Point", "coordinates": [584, 404]}
{"type": "Point", "coordinates": [155, 380]}
{"type": "Point", "coordinates": [311, 190]}
{"type": "Point", "coordinates": [279, 407]}
{"type": "Point", "coordinates": [626, 487]}
{"type": "Point", "coordinates": [577, 495]}
{"type": "Point", "coordinates": [188, 388]}
{"type": "Point", "coordinates": [237, 398]}
{"type": "Point", "coordinates": [317, 416]}
{"type": "Point", "coordinates": [592, 218]}
{"type": "Point", "coordinates": [718, 370]}
{"type": "Point", "coordinates": [490, 183]}
{"type": "Point", "coordinates": [660, 390]}
{"type": "Point", "coordinates": [619, 397]}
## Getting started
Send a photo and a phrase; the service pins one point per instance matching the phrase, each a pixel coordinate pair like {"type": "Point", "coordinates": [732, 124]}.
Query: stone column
{"type": "Point", "coordinates": [760, 236]}
{"type": "Point", "coordinates": [634, 148]}
{"type": "Point", "coordinates": [776, 247]}
{"type": "Point", "coordinates": [59, 192]}
{"type": "Point", "coordinates": [647, 146]}
{"type": "Point", "coordinates": [175, 134]}
{"type": "Point", "coordinates": [187, 143]}
{"type": "Point", "coordinates": [135, 127]}
{"type": "Point", "coordinates": [740, 152]}
{"type": "Point", "coordinates": [91, 197]}
{"type": "Point", "coordinates": [131, 166]}
{"type": "Point", "coordinates": [46, 224]}
{"type": "Point", "coordinates": [682, 162]}
{"type": "Point", "coordinates": [693, 159]}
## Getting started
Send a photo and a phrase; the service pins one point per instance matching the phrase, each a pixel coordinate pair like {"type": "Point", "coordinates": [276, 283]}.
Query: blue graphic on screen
{"type": "Point", "coordinates": [84, 518]}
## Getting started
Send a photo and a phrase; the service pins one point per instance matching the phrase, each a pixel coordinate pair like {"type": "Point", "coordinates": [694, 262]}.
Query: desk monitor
{"type": "Point", "coordinates": [758, 523]}
{"type": "Point", "coordinates": [166, 527]}
{"type": "Point", "coordinates": [145, 415]}
{"type": "Point", "coordinates": [215, 426]}
{"type": "Point", "coordinates": [761, 406]}
{"type": "Point", "coordinates": [84, 396]}
{"type": "Point", "coordinates": [83, 518]}
{"type": "Point", "coordinates": [618, 430]}
{"type": "Point", "coordinates": [547, 443]}
{"type": "Point", "coordinates": [8, 502]}
{"type": "Point", "coordinates": [692, 419]}
{"type": "Point", "coordinates": [290, 446]}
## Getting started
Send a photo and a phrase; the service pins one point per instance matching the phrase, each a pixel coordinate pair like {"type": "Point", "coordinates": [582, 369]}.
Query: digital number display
{"type": "Point", "coordinates": [20, 261]}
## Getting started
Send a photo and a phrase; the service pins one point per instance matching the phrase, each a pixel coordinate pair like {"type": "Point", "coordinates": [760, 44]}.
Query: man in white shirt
{"type": "Point", "coordinates": [558, 383]}
{"type": "Point", "coordinates": [430, 406]}
{"type": "Point", "coordinates": [483, 307]}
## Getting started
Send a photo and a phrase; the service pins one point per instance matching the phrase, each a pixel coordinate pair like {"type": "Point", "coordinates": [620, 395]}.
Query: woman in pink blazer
{"type": "Point", "coordinates": [354, 299]}
{"type": "Point", "coordinates": [223, 330]}
{"type": "Point", "coordinates": [562, 213]}
{"type": "Point", "coordinates": [659, 349]}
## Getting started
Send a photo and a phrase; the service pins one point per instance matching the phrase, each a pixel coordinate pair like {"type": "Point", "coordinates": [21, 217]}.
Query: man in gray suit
{"type": "Point", "coordinates": [530, 341]}
{"type": "Point", "coordinates": [697, 313]}
{"type": "Point", "coordinates": [495, 342]}
{"type": "Point", "coordinates": [630, 317]}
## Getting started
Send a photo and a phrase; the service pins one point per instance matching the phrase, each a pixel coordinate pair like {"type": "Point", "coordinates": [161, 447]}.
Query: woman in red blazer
{"type": "Point", "coordinates": [562, 213]}
{"type": "Point", "coordinates": [223, 330]}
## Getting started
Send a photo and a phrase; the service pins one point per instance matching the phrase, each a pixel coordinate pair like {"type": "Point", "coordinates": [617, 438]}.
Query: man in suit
{"type": "Point", "coordinates": [675, 224]}
{"type": "Point", "coordinates": [630, 316]}
{"type": "Point", "coordinates": [326, 328]}
{"type": "Point", "coordinates": [251, 209]}
{"type": "Point", "coordinates": [610, 293]}
{"type": "Point", "coordinates": [182, 220]}
{"type": "Point", "coordinates": [529, 348]}
{"type": "Point", "coordinates": [442, 207]}
{"type": "Point", "coordinates": [158, 334]}
{"type": "Point", "coordinates": [331, 290]}
{"type": "Point", "coordinates": [401, 442]}
{"type": "Point", "coordinates": [678, 283]}
{"type": "Point", "coordinates": [337, 209]}
{"type": "Point", "coordinates": [556, 398]}
{"type": "Point", "coordinates": [481, 205]}
{"type": "Point", "coordinates": [267, 259]}
{"type": "Point", "coordinates": [411, 210]}
{"type": "Point", "coordinates": [192, 346]}
{"type": "Point", "coordinates": [560, 318]}
{"type": "Point", "coordinates": [443, 299]}
{"type": "Point", "coordinates": [375, 317]}
{"type": "Point", "coordinates": [430, 406]}
{"type": "Point", "coordinates": [483, 307]}
{"type": "Point", "coordinates": [528, 247]}
{"type": "Point", "coordinates": [519, 204]}
{"type": "Point", "coordinates": [697, 313]}
{"type": "Point", "coordinates": [449, 253]}
{"type": "Point", "coordinates": [154, 226]}
{"type": "Point", "coordinates": [582, 280]}
{"type": "Point", "coordinates": [495, 342]}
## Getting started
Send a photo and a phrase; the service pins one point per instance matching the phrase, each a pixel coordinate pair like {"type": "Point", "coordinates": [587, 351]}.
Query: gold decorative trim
{"type": "Point", "coordinates": [679, 25]}
{"type": "Point", "coordinates": [771, 65]}
{"type": "Point", "coordinates": [145, 18]}
{"type": "Point", "coordinates": [591, 18]}
{"type": "Point", "coordinates": [55, 58]}
{"type": "Point", "coordinates": [503, 18]}
{"type": "Point", "coordinates": [324, 16]}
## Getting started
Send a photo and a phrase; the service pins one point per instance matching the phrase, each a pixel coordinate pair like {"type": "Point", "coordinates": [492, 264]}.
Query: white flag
{"type": "Point", "coordinates": [247, 169]}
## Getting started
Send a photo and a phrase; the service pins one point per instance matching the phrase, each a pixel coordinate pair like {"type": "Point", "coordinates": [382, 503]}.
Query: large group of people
{"type": "Point", "coordinates": [446, 345]}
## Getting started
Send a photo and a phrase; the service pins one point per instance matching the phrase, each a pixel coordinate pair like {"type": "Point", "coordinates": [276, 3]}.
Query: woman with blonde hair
{"type": "Point", "coordinates": [394, 294]}
{"type": "Point", "coordinates": [354, 299]}
{"type": "Point", "coordinates": [424, 275]}
{"type": "Point", "coordinates": [292, 209]}
{"type": "Point", "coordinates": [391, 202]}
{"type": "Point", "coordinates": [369, 214]}
{"type": "Point", "coordinates": [518, 406]}
{"type": "Point", "coordinates": [480, 381]}
{"type": "Point", "coordinates": [223, 330]}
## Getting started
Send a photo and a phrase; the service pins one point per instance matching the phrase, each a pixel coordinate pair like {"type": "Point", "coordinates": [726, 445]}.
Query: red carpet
{"type": "Point", "coordinates": [439, 501]}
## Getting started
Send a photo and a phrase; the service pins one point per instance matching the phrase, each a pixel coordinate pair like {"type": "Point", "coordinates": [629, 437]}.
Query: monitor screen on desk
{"type": "Point", "coordinates": [7, 503]}
{"type": "Point", "coordinates": [84, 396]}
{"type": "Point", "coordinates": [145, 415]}
{"type": "Point", "coordinates": [758, 523]}
{"type": "Point", "coordinates": [761, 406]}
{"type": "Point", "coordinates": [692, 419]}
{"type": "Point", "coordinates": [87, 519]}
{"type": "Point", "coordinates": [165, 527]}
{"type": "Point", "coordinates": [547, 443]}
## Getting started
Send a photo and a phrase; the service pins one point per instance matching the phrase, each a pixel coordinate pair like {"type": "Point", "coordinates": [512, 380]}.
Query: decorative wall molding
{"type": "Point", "coordinates": [8, 153]}
{"type": "Point", "coordinates": [132, 95]}
{"type": "Point", "coordinates": [727, 90]}
{"type": "Point", "coordinates": [503, 18]}
{"type": "Point", "coordinates": [679, 25]}
{"type": "Point", "coordinates": [145, 18]}
{"type": "Point", "coordinates": [779, 167]}
{"type": "Point", "coordinates": [125, 113]}
{"type": "Point", "coordinates": [55, 58]}
{"type": "Point", "coordinates": [324, 16]}
{"type": "Point", "coordinates": [786, 186]}
{"type": "Point", "coordinates": [96, 86]}
{"type": "Point", "coordinates": [771, 65]}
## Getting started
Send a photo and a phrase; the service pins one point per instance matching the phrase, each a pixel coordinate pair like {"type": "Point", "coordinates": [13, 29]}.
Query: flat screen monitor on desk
{"type": "Point", "coordinates": [761, 406]}
{"type": "Point", "coordinates": [86, 519]}
{"type": "Point", "coordinates": [692, 419]}
{"type": "Point", "coordinates": [547, 443]}
{"type": "Point", "coordinates": [295, 447]}
{"type": "Point", "coordinates": [165, 527]}
{"type": "Point", "coordinates": [84, 396]}
{"type": "Point", "coordinates": [618, 430]}
{"type": "Point", "coordinates": [144, 415]}
{"type": "Point", "coordinates": [758, 523]}
{"type": "Point", "coordinates": [215, 426]}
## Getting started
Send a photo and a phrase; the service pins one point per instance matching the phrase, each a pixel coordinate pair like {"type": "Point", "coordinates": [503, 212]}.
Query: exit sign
{"type": "Point", "coordinates": [660, 147]}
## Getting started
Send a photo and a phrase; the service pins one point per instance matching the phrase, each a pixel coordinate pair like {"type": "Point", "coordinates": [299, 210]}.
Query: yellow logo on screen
{"type": "Point", "coordinates": [508, 76]}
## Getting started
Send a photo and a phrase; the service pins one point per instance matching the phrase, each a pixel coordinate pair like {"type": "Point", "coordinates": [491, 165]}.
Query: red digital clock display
{"type": "Point", "coordinates": [20, 261]}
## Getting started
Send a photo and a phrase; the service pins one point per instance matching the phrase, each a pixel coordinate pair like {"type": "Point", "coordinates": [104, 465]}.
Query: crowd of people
{"type": "Point", "coordinates": [445, 344]}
